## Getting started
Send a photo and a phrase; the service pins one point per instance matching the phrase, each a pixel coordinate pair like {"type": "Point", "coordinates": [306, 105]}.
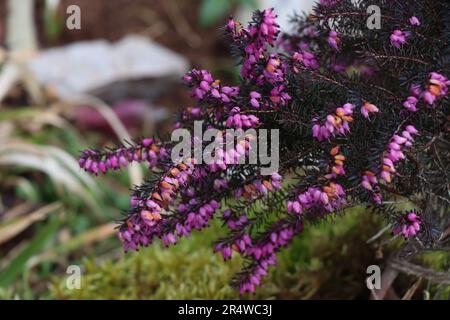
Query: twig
{"type": "Point", "coordinates": [409, 294]}
{"type": "Point", "coordinates": [181, 25]}
{"type": "Point", "coordinates": [419, 271]}
{"type": "Point", "coordinates": [378, 234]}
{"type": "Point", "coordinates": [380, 56]}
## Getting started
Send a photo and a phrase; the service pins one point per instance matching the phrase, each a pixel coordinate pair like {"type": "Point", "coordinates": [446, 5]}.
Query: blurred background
{"type": "Point", "coordinates": [101, 73]}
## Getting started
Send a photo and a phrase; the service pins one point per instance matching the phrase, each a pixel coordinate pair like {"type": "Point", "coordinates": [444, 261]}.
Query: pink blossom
{"type": "Point", "coordinates": [398, 38]}
{"type": "Point", "coordinates": [414, 21]}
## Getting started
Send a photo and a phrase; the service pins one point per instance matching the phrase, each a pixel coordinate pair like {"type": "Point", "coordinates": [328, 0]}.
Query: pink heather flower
{"type": "Point", "coordinates": [205, 88]}
{"type": "Point", "coordinates": [254, 96]}
{"type": "Point", "coordinates": [437, 88]}
{"type": "Point", "coordinates": [146, 150]}
{"type": "Point", "coordinates": [394, 152]}
{"type": "Point", "coordinates": [368, 108]}
{"type": "Point", "coordinates": [269, 28]}
{"type": "Point", "coordinates": [328, 198]}
{"type": "Point", "coordinates": [278, 97]}
{"type": "Point", "coordinates": [398, 38]}
{"type": "Point", "coordinates": [410, 103]}
{"type": "Point", "coordinates": [225, 251]}
{"type": "Point", "coordinates": [414, 21]}
{"type": "Point", "coordinates": [370, 182]}
{"type": "Point", "coordinates": [333, 40]}
{"type": "Point", "coordinates": [308, 59]}
{"type": "Point", "coordinates": [412, 130]}
{"type": "Point", "coordinates": [335, 124]}
{"type": "Point", "coordinates": [231, 25]}
{"type": "Point", "coordinates": [241, 120]}
{"type": "Point", "coordinates": [408, 225]}
{"type": "Point", "coordinates": [415, 90]}
{"type": "Point", "coordinates": [428, 97]}
{"type": "Point", "coordinates": [260, 35]}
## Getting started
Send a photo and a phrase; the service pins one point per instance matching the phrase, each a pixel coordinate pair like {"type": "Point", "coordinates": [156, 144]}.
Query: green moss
{"type": "Point", "coordinates": [189, 270]}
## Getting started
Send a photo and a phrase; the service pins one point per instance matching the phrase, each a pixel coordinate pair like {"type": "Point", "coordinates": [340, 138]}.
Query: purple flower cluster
{"type": "Point", "coordinates": [411, 103]}
{"type": "Point", "coordinates": [368, 108]}
{"type": "Point", "coordinates": [205, 88]}
{"type": "Point", "coordinates": [370, 183]}
{"type": "Point", "coordinates": [262, 253]}
{"type": "Point", "coordinates": [335, 124]}
{"type": "Point", "coordinates": [328, 198]}
{"type": "Point", "coordinates": [259, 186]}
{"type": "Point", "coordinates": [337, 168]}
{"type": "Point", "coordinates": [145, 150]}
{"type": "Point", "coordinates": [394, 152]}
{"type": "Point", "coordinates": [256, 37]}
{"type": "Point", "coordinates": [240, 121]}
{"type": "Point", "coordinates": [261, 250]}
{"type": "Point", "coordinates": [195, 215]}
{"type": "Point", "coordinates": [333, 40]}
{"type": "Point", "coordinates": [437, 88]}
{"type": "Point", "coordinates": [229, 155]}
{"type": "Point", "coordinates": [257, 65]}
{"type": "Point", "coordinates": [399, 38]}
{"type": "Point", "coordinates": [146, 222]}
{"type": "Point", "coordinates": [306, 58]}
{"type": "Point", "coordinates": [408, 225]}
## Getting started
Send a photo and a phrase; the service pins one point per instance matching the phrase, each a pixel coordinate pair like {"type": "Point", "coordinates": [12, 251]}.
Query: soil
{"type": "Point", "coordinates": [171, 23]}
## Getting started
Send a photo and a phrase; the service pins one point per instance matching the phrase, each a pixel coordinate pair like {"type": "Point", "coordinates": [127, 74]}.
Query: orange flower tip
{"type": "Point", "coordinates": [334, 151]}
{"type": "Point", "coordinates": [270, 68]}
{"type": "Point", "coordinates": [157, 196]}
{"type": "Point", "coordinates": [435, 89]}
{"type": "Point", "coordinates": [267, 184]}
{"type": "Point", "coordinates": [166, 185]}
{"type": "Point", "coordinates": [182, 166]}
{"type": "Point", "coordinates": [275, 99]}
{"type": "Point", "coordinates": [348, 118]}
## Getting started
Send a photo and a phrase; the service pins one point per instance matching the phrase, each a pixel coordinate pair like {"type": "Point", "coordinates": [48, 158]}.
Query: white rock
{"type": "Point", "coordinates": [84, 66]}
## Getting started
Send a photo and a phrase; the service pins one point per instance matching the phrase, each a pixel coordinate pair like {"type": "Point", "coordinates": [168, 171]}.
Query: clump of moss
{"type": "Point", "coordinates": [188, 270]}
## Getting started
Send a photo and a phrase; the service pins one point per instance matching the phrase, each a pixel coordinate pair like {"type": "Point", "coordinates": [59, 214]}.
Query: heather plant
{"type": "Point", "coordinates": [362, 115]}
